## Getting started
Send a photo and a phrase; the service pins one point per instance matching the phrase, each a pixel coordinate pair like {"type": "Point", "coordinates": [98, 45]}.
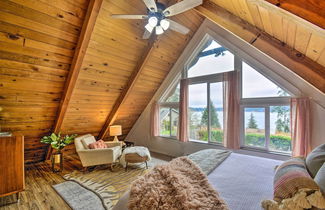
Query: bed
{"type": "Point", "coordinates": [243, 181]}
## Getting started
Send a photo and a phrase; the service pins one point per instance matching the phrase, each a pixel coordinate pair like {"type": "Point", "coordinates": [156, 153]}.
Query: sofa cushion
{"type": "Point", "coordinates": [320, 178]}
{"type": "Point", "coordinates": [315, 160]}
{"type": "Point", "coordinates": [88, 140]}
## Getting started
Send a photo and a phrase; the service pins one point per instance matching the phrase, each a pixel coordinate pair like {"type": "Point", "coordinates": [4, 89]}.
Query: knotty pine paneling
{"type": "Point", "coordinates": [112, 54]}
{"type": "Point", "coordinates": [167, 50]}
{"type": "Point", "coordinates": [284, 26]}
{"type": "Point", "coordinates": [37, 41]}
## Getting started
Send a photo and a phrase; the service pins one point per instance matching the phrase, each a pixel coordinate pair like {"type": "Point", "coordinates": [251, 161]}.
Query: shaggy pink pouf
{"type": "Point", "coordinates": [178, 185]}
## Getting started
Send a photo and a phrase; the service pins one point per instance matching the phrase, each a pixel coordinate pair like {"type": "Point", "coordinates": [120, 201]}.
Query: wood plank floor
{"type": "Point", "coordinates": [39, 194]}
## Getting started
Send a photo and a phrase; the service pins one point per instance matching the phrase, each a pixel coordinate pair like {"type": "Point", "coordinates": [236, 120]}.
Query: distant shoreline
{"type": "Point", "coordinates": [219, 109]}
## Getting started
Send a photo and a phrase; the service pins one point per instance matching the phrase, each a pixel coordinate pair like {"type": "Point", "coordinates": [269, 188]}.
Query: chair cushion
{"type": "Point", "coordinates": [315, 160]}
{"type": "Point", "coordinates": [320, 178]}
{"type": "Point", "coordinates": [97, 145]}
{"type": "Point", "coordinates": [88, 140]}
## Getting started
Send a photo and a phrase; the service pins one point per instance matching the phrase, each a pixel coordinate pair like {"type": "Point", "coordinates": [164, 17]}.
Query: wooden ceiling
{"type": "Point", "coordinates": [38, 41]}
{"type": "Point", "coordinates": [300, 35]}
{"type": "Point", "coordinates": [310, 10]}
{"type": "Point", "coordinates": [57, 74]}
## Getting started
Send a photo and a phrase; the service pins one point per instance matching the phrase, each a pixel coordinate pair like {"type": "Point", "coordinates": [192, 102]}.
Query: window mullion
{"type": "Point", "coordinates": [209, 112]}
{"type": "Point", "coordinates": [267, 127]}
{"type": "Point", "coordinates": [170, 122]}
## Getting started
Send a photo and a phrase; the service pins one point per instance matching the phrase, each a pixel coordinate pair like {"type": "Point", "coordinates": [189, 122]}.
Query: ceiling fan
{"type": "Point", "coordinates": [157, 16]}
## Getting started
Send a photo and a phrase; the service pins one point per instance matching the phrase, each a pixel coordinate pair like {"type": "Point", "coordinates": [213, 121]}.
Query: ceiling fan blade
{"type": "Point", "coordinates": [130, 16]}
{"type": "Point", "coordinates": [181, 7]}
{"type": "Point", "coordinates": [178, 27]}
{"type": "Point", "coordinates": [151, 5]}
{"type": "Point", "coordinates": [146, 34]}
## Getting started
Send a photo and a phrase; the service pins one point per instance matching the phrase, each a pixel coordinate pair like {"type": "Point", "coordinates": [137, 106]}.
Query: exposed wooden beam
{"type": "Point", "coordinates": [126, 91]}
{"type": "Point", "coordinates": [311, 71]}
{"type": "Point", "coordinates": [79, 54]}
{"type": "Point", "coordinates": [310, 10]}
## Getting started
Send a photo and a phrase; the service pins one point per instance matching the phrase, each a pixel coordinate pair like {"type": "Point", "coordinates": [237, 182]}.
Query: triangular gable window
{"type": "Point", "coordinates": [173, 94]}
{"type": "Point", "coordinates": [256, 85]}
{"type": "Point", "coordinates": [212, 55]}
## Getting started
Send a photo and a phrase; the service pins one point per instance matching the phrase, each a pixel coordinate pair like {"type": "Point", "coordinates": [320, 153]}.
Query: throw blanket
{"type": "Point", "coordinates": [178, 185]}
{"type": "Point", "coordinates": [142, 151]}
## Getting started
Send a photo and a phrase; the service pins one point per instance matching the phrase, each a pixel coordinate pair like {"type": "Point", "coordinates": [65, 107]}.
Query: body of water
{"type": "Point", "coordinates": [259, 117]}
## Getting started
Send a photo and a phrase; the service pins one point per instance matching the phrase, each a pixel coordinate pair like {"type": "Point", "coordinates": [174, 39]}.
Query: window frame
{"type": "Point", "coordinates": [260, 102]}
{"type": "Point", "coordinates": [267, 124]}
{"type": "Point", "coordinates": [208, 79]}
{"type": "Point", "coordinates": [170, 106]}
{"type": "Point", "coordinates": [265, 65]}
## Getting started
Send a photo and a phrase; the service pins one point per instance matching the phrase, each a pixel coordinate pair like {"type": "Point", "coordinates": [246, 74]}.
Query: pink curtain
{"type": "Point", "coordinates": [183, 111]}
{"type": "Point", "coordinates": [231, 111]}
{"type": "Point", "coordinates": [154, 118]}
{"type": "Point", "coordinates": [300, 126]}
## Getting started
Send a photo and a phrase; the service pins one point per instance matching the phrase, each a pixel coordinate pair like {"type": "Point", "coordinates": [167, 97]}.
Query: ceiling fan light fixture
{"type": "Point", "coordinates": [159, 30]}
{"type": "Point", "coordinates": [149, 27]}
{"type": "Point", "coordinates": [164, 24]}
{"type": "Point", "coordinates": [153, 21]}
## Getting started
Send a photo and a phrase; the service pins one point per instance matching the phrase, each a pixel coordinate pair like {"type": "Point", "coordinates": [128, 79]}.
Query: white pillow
{"type": "Point", "coordinates": [88, 140]}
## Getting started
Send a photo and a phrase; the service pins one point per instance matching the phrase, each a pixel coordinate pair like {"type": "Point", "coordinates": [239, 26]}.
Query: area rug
{"type": "Point", "coordinates": [102, 183]}
{"type": "Point", "coordinates": [78, 197]}
{"type": "Point", "coordinates": [109, 186]}
{"type": "Point", "coordinates": [209, 159]}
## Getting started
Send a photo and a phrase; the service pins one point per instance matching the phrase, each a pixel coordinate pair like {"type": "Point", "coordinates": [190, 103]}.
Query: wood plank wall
{"type": "Point", "coordinates": [114, 50]}
{"type": "Point", "coordinates": [37, 41]}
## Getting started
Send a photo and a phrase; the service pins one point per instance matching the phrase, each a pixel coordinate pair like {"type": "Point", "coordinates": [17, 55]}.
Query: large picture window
{"type": "Point", "coordinates": [265, 111]}
{"type": "Point", "coordinates": [205, 104]}
{"type": "Point", "coordinates": [206, 111]}
{"type": "Point", "coordinates": [264, 104]}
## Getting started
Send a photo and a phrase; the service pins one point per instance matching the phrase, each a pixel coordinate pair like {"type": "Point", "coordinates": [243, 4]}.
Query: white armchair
{"type": "Point", "coordinates": [92, 157]}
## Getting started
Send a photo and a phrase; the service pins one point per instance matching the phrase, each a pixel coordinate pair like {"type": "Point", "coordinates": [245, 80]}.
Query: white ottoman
{"type": "Point", "coordinates": [136, 154]}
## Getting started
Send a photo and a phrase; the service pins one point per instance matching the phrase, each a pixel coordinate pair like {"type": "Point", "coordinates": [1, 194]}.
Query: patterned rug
{"type": "Point", "coordinates": [108, 185]}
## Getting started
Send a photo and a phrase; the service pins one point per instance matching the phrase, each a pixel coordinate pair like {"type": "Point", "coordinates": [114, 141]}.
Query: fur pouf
{"type": "Point", "coordinates": [178, 185]}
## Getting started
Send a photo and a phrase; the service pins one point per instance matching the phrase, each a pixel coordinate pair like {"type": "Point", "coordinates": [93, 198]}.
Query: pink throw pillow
{"type": "Point", "coordinates": [97, 145]}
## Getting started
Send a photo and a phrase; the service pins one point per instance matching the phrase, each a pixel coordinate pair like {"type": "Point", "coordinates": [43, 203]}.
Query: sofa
{"type": "Point", "coordinates": [93, 157]}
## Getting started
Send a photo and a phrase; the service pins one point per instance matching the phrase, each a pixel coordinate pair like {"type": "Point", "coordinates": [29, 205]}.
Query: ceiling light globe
{"type": "Point", "coordinates": [153, 21]}
{"type": "Point", "coordinates": [159, 30]}
{"type": "Point", "coordinates": [149, 27]}
{"type": "Point", "coordinates": [164, 24]}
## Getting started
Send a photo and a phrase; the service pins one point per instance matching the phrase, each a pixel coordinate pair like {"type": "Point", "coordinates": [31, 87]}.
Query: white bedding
{"type": "Point", "coordinates": [243, 181]}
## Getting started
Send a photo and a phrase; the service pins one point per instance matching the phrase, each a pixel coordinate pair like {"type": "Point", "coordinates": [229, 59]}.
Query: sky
{"type": "Point", "coordinates": [254, 84]}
